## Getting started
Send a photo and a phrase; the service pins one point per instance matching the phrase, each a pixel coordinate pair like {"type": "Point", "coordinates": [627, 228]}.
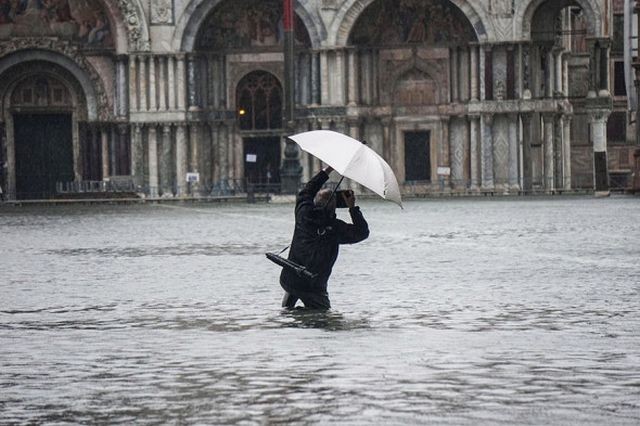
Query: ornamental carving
{"type": "Point", "coordinates": [137, 41]}
{"type": "Point", "coordinates": [71, 51]}
{"type": "Point", "coordinates": [161, 12]}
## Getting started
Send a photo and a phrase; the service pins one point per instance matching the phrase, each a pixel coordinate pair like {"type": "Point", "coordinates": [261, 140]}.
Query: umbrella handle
{"type": "Point", "coordinates": [335, 189]}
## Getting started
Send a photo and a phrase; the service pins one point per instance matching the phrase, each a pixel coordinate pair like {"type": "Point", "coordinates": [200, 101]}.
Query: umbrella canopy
{"type": "Point", "coordinates": [353, 159]}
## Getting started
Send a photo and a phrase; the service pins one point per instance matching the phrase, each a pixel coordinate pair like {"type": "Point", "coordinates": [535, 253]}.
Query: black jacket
{"type": "Point", "coordinates": [316, 238]}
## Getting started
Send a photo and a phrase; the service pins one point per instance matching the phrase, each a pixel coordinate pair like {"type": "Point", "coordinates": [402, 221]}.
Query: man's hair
{"type": "Point", "coordinates": [323, 197]}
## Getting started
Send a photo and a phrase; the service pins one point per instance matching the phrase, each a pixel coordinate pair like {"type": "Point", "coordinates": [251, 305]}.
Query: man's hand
{"type": "Point", "coordinates": [328, 170]}
{"type": "Point", "coordinates": [349, 198]}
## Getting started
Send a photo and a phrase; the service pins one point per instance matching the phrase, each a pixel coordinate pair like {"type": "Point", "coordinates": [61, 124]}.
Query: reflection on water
{"type": "Point", "coordinates": [453, 312]}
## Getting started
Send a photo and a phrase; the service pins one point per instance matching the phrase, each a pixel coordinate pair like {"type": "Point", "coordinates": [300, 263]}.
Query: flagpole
{"type": "Point", "coordinates": [291, 171]}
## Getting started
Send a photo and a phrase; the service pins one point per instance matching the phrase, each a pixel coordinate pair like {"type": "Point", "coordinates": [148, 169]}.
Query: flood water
{"type": "Point", "coordinates": [485, 311]}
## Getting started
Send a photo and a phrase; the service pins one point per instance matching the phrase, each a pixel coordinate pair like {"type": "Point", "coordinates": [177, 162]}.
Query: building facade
{"type": "Point", "coordinates": [457, 95]}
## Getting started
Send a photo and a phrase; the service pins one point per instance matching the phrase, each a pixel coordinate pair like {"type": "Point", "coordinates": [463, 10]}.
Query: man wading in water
{"type": "Point", "coordinates": [316, 238]}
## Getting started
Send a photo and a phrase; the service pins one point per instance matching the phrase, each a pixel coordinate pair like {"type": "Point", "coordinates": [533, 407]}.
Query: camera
{"type": "Point", "coordinates": [340, 203]}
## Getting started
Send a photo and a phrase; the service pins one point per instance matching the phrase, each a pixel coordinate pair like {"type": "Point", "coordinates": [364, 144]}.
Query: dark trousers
{"type": "Point", "coordinates": [310, 300]}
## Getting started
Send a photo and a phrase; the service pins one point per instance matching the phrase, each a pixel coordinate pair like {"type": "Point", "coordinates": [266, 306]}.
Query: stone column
{"type": "Point", "coordinates": [77, 150]}
{"type": "Point", "coordinates": [181, 82]}
{"type": "Point", "coordinates": [315, 78]}
{"type": "Point", "coordinates": [605, 45]}
{"type": "Point", "coordinates": [558, 146]}
{"type": "Point", "coordinates": [153, 161]}
{"type": "Point", "coordinates": [162, 80]}
{"type": "Point", "coordinates": [105, 152]}
{"type": "Point", "coordinates": [166, 162]}
{"type": "Point", "coordinates": [171, 82]}
{"type": "Point", "coordinates": [133, 83]}
{"type": "Point", "coordinates": [194, 154]}
{"type": "Point", "coordinates": [454, 92]}
{"type": "Point", "coordinates": [444, 151]}
{"type": "Point", "coordinates": [339, 78]}
{"type": "Point", "coordinates": [473, 83]}
{"type": "Point", "coordinates": [598, 124]}
{"type": "Point", "coordinates": [457, 141]}
{"type": "Point", "coordinates": [192, 83]}
{"type": "Point", "coordinates": [474, 143]}
{"type": "Point", "coordinates": [352, 97]}
{"type": "Point", "coordinates": [324, 81]}
{"type": "Point", "coordinates": [527, 172]}
{"type": "Point", "coordinates": [153, 98]}
{"type": "Point", "coordinates": [550, 80]}
{"type": "Point", "coordinates": [121, 81]}
{"type": "Point", "coordinates": [514, 151]}
{"type": "Point", "coordinates": [486, 159]}
{"type": "Point", "coordinates": [223, 156]}
{"type": "Point", "coordinates": [142, 79]}
{"type": "Point", "coordinates": [559, 71]}
{"type": "Point", "coordinates": [566, 152]}
{"type": "Point", "coordinates": [181, 161]}
{"type": "Point", "coordinates": [483, 71]}
{"type": "Point", "coordinates": [549, 163]}
{"type": "Point", "coordinates": [137, 155]}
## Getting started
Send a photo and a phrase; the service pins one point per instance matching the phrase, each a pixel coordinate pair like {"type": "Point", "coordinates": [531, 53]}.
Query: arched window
{"type": "Point", "coordinates": [259, 102]}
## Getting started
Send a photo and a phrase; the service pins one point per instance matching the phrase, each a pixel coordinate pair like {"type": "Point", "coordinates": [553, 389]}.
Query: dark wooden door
{"type": "Point", "coordinates": [262, 160]}
{"type": "Point", "coordinates": [44, 153]}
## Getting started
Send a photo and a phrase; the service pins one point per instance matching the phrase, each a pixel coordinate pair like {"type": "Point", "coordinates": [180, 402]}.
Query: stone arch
{"type": "Point", "coordinates": [276, 71]}
{"type": "Point", "coordinates": [88, 80]}
{"type": "Point", "coordinates": [348, 16]}
{"type": "Point", "coordinates": [137, 28]}
{"type": "Point", "coordinates": [197, 11]}
{"type": "Point", "coordinates": [431, 69]}
{"type": "Point", "coordinates": [525, 12]}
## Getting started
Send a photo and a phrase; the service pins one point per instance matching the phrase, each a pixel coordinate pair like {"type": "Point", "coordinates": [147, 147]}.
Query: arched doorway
{"type": "Point", "coordinates": [41, 120]}
{"type": "Point", "coordinates": [413, 63]}
{"type": "Point", "coordinates": [259, 109]}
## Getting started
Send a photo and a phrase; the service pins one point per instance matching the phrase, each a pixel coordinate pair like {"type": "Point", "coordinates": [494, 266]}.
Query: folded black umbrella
{"type": "Point", "coordinates": [300, 270]}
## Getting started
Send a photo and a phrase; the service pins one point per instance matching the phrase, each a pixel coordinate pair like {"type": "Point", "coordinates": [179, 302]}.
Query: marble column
{"type": "Point", "coordinates": [444, 151]}
{"type": "Point", "coordinates": [486, 158]}
{"type": "Point", "coordinates": [550, 80]}
{"type": "Point", "coordinates": [558, 147]}
{"type": "Point", "coordinates": [352, 91]}
{"type": "Point", "coordinates": [137, 155]}
{"type": "Point", "coordinates": [566, 152]}
{"type": "Point", "coordinates": [153, 161]}
{"type": "Point", "coordinates": [315, 79]}
{"type": "Point", "coordinates": [162, 80]}
{"type": "Point", "coordinates": [194, 153]}
{"type": "Point", "coordinates": [559, 87]}
{"type": "Point", "coordinates": [171, 83]}
{"type": "Point", "coordinates": [142, 81]}
{"type": "Point", "coordinates": [473, 83]}
{"type": "Point", "coordinates": [549, 163]}
{"type": "Point", "coordinates": [514, 153]}
{"type": "Point", "coordinates": [181, 82]}
{"type": "Point", "coordinates": [458, 143]}
{"type": "Point", "coordinates": [527, 171]}
{"type": "Point", "coordinates": [474, 143]}
{"type": "Point", "coordinates": [339, 78]}
{"type": "Point", "coordinates": [121, 82]}
{"type": "Point", "coordinates": [133, 83]}
{"type": "Point", "coordinates": [605, 45]}
{"type": "Point", "coordinates": [598, 124]}
{"type": "Point", "coordinates": [453, 79]}
{"type": "Point", "coordinates": [181, 161]}
{"type": "Point", "coordinates": [482, 73]}
{"type": "Point", "coordinates": [104, 138]}
{"type": "Point", "coordinates": [153, 98]}
{"type": "Point", "coordinates": [166, 181]}
{"type": "Point", "coordinates": [324, 81]}
{"type": "Point", "coordinates": [192, 83]}
{"type": "Point", "coordinates": [223, 156]}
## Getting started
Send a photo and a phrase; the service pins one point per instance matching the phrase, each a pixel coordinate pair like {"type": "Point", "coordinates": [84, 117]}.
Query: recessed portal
{"type": "Point", "coordinates": [44, 153]}
{"type": "Point", "coordinates": [417, 156]}
{"type": "Point", "coordinates": [262, 160]}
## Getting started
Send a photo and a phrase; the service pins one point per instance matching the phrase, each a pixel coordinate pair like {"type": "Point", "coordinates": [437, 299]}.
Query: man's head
{"type": "Point", "coordinates": [323, 197]}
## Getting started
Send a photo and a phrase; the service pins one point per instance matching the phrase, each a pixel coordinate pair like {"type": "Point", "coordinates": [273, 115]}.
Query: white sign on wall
{"type": "Point", "coordinates": [252, 158]}
{"type": "Point", "coordinates": [193, 177]}
{"type": "Point", "coordinates": [444, 171]}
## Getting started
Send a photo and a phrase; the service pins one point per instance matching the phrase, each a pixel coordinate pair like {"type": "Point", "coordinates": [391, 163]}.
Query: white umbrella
{"type": "Point", "coordinates": [353, 159]}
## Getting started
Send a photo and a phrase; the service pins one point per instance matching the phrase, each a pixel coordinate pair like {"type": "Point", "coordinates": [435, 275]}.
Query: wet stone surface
{"type": "Point", "coordinates": [514, 311]}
